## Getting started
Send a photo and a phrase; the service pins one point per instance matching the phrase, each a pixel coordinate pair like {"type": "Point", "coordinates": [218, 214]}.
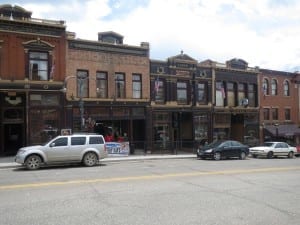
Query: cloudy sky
{"type": "Point", "coordinates": [265, 33]}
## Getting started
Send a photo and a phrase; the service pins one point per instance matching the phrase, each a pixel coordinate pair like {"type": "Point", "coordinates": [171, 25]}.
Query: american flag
{"type": "Point", "coordinates": [52, 69]}
{"type": "Point", "coordinates": [223, 92]}
{"type": "Point", "coordinates": [156, 85]}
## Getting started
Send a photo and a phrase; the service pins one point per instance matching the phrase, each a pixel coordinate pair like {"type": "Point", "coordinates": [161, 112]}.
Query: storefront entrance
{"type": "Point", "coordinates": [13, 138]}
{"type": "Point", "coordinates": [12, 128]}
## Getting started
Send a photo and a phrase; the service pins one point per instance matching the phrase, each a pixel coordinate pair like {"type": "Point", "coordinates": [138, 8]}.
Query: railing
{"type": "Point", "coordinates": [167, 147]}
{"type": "Point", "coordinates": [36, 20]}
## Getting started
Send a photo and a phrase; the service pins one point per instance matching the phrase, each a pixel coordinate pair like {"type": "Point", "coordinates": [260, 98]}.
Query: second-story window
{"type": "Point", "coordinates": [120, 85]}
{"type": "Point", "coordinates": [182, 92]}
{"type": "Point", "coordinates": [241, 93]}
{"type": "Point", "coordinates": [274, 87]}
{"type": "Point", "coordinates": [159, 90]}
{"type": "Point", "coordinates": [82, 84]}
{"type": "Point", "coordinates": [38, 65]}
{"type": "Point", "coordinates": [251, 95]}
{"type": "Point", "coordinates": [202, 93]}
{"type": "Point", "coordinates": [101, 84]}
{"type": "Point", "coordinates": [265, 86]}
{"type": "Point", "coordinates": [230, 94]}
{"type": "Point", "coordinates": [136, 86]}
{"type": "Point", "coordinates": [286, 88]}
{"type": "Point", "coordinates": [220, 93]}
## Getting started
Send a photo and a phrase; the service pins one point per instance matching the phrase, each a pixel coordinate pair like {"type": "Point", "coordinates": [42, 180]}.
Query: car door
{"type": "Point", "coordinates": [284, 149]}
{"type": "Point", "coordinates": [236, 149]}
{"type": "Point", "coordinates": [57, 150]}
{"type": "Point", "coordinates": [227, 149]}
{"type": "Point", "coordinates": [78, 144]}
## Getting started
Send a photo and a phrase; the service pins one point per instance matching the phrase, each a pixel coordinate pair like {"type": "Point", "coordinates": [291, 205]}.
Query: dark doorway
{"type": "Point", "coordinates": [138, 133]}
{"type": "Point", "coordinates": [237, 127]}
{"type": "Point", "coordinates": [13, 138]}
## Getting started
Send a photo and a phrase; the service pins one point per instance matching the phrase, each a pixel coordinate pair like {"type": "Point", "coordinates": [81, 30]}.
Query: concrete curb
{"type": "Point", "coordinates": [10, 164]}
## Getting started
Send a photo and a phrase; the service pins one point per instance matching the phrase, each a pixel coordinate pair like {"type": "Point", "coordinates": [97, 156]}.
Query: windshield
{"type": "Point", "coordinates": [214, 144]}
{"type": "Point", "coordinates": [268, 144]}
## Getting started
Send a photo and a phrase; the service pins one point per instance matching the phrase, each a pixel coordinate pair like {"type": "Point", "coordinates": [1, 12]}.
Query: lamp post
{"type": "Point", "coordinates": [276, 128]}
{"type": "Point", "coordinates": [80, 81]}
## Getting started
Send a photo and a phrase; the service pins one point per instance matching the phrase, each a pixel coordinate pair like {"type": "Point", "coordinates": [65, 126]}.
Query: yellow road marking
{"type": "Point", "coordinates": [147, 177]}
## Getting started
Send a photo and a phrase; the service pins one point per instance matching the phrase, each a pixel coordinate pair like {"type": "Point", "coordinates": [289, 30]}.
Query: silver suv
{"type": "Point", "coordinates": [85, 148]}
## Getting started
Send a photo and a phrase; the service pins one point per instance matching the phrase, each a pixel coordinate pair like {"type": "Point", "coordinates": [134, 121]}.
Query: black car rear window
{"type": "Point", "coordinates": [96, 140]}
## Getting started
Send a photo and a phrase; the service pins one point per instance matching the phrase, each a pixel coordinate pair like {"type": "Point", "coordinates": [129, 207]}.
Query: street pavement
{"type": "Point", "coordinates": [9, 162]}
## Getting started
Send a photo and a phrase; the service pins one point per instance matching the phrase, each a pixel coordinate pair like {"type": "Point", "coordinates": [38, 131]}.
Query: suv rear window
{"type": "Point", "coordinates": [96, 140]}
{"type": "Point", "coordinates": [78, 140]}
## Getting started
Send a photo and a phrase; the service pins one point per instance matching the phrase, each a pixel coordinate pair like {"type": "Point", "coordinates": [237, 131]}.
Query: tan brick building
{"type": "Point", "coordinates": [111, 79]}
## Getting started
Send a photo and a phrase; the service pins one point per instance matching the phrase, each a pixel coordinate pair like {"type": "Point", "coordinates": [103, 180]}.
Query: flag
{"type": "Point", "coordinates": [52, 70]}
{"type": "Point", "coordinates": [156, 85]}
{"type": "Point", "coordinates": [223, 92]}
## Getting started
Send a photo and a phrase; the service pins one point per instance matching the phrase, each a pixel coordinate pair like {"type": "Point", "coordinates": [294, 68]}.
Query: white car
{"type": "Point", "coordinates": [273, 149]}
{"type": "Point", "coordinates": [85, 148]}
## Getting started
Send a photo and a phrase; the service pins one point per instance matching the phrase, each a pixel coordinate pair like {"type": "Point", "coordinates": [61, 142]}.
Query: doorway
{"type": "Point", "coordinates": [13, 138]}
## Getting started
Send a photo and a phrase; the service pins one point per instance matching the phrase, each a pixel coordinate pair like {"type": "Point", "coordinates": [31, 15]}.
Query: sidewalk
{"type": "Point", "coordinates": [8, 162]}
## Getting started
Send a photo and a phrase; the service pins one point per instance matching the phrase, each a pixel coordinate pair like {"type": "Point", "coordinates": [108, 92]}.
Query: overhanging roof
{"type": "Point", "coordinates": [284, 130]}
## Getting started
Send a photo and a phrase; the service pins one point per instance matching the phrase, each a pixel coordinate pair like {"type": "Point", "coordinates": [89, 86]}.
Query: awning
{"type": "Point", "coordinates": [284, 130]}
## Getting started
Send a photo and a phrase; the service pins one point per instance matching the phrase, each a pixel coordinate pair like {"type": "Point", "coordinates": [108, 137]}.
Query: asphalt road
{"type": "Point", "coordinates": [167, 192]}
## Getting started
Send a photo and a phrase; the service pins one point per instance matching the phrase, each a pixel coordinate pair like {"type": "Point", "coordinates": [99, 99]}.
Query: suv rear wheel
{"type": "Point", "coordinates": [90, 159]}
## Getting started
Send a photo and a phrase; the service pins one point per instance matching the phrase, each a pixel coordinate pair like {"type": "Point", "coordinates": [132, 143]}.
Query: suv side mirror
{"type": "Point", "coordinates": [52, 144]}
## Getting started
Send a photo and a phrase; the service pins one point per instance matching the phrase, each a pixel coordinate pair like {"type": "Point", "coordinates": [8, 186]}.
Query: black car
{"type": "Point", "coordinates": [221, 149]}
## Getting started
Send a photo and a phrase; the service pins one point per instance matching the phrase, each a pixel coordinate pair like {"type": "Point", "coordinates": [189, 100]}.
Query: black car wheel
{"type": "Point", "coordinates": [217, 155]}
{"type": "Point", "coordinates": [242, 155]}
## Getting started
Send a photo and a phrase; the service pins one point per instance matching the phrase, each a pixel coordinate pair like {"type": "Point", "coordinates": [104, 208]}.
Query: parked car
{"type": "Point", "coordinates": [85, 148]}
{"type": "Point", "coordinates": [223, 149]}
{"type": "Point", "coordinates": [273, 149]}
{"type": "Point", "coordinates": [297, 154]}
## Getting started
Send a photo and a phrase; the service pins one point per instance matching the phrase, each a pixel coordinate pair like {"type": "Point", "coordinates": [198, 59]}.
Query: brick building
{"type": "Point", "coordinates": [111, 87]}
{"type": "Point", "coordinates": [279, 106]}
{"type": "Point", "coordinates": [111, 81]}
{"type": "Point", "coordinates": [235, 112]}
{"type": "Point", "coordinates": [32, 68]}
{"type": "Point", "coordinates": [181, 103]}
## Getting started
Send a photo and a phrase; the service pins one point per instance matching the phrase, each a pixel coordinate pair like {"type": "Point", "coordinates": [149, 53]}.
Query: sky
{"type": "Point", "coordinates": [264, 33]}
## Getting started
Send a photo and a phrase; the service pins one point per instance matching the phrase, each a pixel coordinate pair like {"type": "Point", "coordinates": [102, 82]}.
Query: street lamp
{"type": "Point", "coordinates": [277, 132]}
{"type": "Point", "coordinates": [80, 82]}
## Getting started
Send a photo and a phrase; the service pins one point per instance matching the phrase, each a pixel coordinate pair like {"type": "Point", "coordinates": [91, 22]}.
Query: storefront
{"type": "Point", "coordinates": [28, 116]}
{"type": "Point", "coordinates": [174, 131]}
{"type": "Point", "coordinates": [120, 122]}
{"type": "Point", "coordinates": [238, 124]}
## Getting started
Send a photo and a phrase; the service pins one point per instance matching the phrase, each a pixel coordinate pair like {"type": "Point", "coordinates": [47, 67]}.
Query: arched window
{"type": "Point", "coordinates": [286, 88]}
{"type": "Point", "coordinates": [265, 86]}
{"type": "Point", "coordinates": [274, 87]}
